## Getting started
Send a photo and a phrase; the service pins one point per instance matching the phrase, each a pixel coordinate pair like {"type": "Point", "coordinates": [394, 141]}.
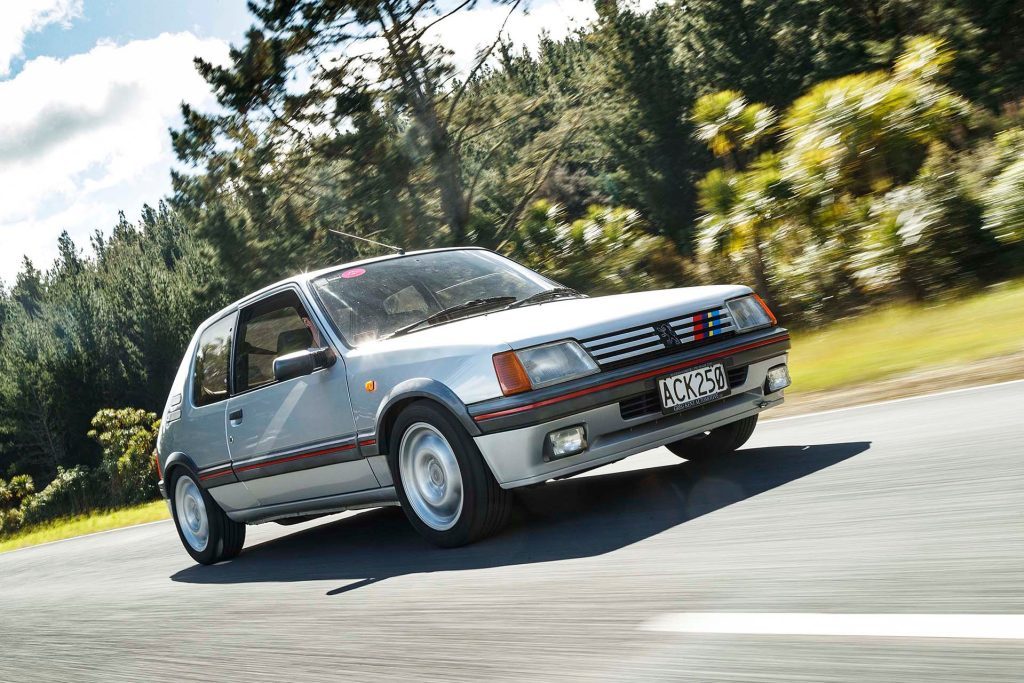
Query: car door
{"type": "Point", "coordinates": [295, 439]}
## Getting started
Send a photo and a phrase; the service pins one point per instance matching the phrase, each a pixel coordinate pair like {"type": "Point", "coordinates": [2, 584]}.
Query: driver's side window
{"type": "Point", "coordinates": [275, 326]}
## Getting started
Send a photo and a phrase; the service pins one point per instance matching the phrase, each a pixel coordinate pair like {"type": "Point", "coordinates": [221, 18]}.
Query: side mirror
{"type": "Point", "coordinates": [299, 363]}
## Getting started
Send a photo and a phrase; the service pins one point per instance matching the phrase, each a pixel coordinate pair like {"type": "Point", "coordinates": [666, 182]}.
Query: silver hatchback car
{"type": "Point", "coordinates": [440, 380]}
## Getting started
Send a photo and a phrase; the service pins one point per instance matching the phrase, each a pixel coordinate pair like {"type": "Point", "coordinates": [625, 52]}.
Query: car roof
{"type": "Point", "coordinates": [311, 275]}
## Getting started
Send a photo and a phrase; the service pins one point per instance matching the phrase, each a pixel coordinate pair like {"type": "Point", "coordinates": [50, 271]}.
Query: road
{"type": "Point", "coordinates": [912, 507]}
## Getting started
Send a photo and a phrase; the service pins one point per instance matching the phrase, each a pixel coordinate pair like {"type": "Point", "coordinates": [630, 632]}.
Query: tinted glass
{"type": "Point", "coordinates": [271, 328]}
{"type": "Point", "coordinates": [210, 374]}
{"type": "Point", "coordinates": [374, 300]}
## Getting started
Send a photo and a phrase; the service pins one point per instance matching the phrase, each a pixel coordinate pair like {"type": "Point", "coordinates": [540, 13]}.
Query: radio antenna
{"type": "Point", "coordinates": [367, 239]}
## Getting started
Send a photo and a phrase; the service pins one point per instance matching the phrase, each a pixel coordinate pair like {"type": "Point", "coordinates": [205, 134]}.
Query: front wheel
{"type": "Point", "coordinates": [445, 487]}
{"type": "Point", "coordinates": [718, 441]}
{"type": "Point", "coordinates": [207, 533]}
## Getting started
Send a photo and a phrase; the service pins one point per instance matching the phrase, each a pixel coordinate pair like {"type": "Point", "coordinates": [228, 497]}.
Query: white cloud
{"type": "Point", "coordinates": [84, 137]}
{"type": "Point", "coordinates": [468, 32]}
{"type": "Point", "coordinates": [18, 18]}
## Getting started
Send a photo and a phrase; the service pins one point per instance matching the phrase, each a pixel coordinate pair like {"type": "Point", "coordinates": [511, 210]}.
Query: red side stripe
{"type": "Point", "coordinates": [368, 442]}
{"type": "Point", "coordinates": [212, 475]}
{"type": "Point", "coordinates": [631, 378]}
{"type": "Point", "coordinates": [297, 456]}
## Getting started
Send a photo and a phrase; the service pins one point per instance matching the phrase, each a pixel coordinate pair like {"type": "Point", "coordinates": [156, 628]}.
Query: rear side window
{"type": "Point", "coordinates": [273, 327]}
{"type": "Point", "coordinates": [213, 358]}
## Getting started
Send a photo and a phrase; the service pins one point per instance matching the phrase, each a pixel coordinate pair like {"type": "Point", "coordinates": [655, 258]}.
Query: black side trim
{"type": "Point", "coordinates": [217, 475]}
{"type": "Point", "coordinates": [298, 458]}
{"type": "Point", "coordinates": [178, 459]}
{"type": "Point", "coordinates": [327, 504]}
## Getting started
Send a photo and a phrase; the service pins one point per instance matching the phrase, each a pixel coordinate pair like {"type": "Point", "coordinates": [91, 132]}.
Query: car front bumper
{"type": "Point", "coordinates": [516, 456]}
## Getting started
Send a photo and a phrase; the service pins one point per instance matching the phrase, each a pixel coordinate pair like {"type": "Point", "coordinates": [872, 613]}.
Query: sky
{"type": "Point", "coordinates": [90, 88]}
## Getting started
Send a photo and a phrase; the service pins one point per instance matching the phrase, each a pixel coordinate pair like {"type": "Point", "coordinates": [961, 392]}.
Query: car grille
{"type": "Point", "coordinates": [648, 402]}
{"type": "Point", "coordinates": [659, 338]}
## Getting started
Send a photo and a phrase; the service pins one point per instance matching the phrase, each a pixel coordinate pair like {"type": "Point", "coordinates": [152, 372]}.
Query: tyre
{"type": "Point", "coordinates": [718, 441]}
{"type": "Point", "coordinates": [207, 533]}
{"type": "Point", "coordinates": [445, 487]}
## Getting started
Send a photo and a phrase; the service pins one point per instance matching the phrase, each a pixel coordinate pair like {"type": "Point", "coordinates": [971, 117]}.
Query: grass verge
{"type": "Point", "coordinates": [902, 339]}
{"type": "Point", "coordinates": [70, 527]}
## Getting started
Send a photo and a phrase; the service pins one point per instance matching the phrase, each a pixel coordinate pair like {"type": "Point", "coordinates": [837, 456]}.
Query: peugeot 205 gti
{"type": "Point", "coordinates": [440, 380]}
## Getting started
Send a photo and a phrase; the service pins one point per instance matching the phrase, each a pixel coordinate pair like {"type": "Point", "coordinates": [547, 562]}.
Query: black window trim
{"type": "Point", "coordinates": [195, 357]}
{"type": "Point", "coordinates": [235, 341]}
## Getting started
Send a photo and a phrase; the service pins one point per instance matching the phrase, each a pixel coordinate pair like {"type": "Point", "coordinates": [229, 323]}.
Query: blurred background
{"type": "Point", "coordinates": [858, 163]}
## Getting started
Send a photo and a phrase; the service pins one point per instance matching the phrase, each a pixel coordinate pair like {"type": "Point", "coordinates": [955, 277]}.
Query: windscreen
{"type": "Point", "coordinates": [374, 300]}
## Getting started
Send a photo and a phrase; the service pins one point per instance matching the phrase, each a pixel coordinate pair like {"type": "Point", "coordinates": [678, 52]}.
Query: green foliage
{"type": "Point", "coordinates": [16, 490]}
{"type": "Point", "coordinates": [73, 491]}
{"type": "Point", "coordinates": [128, 439]}
{"type": "Point", "coordinates": [728, 124]}
{"type": "Point", "coordinates": [859, 202]}
{"type": "Point", "coordinates": [925, 237]}
{"type": "Point", "coordinates": [869, 132]}
{"type": "Point", "coordinates": [604, 252]}
{"type": "Point", "coordinates": [1004, 204]}
{"type": "Point", "coordinates": [99, 331]}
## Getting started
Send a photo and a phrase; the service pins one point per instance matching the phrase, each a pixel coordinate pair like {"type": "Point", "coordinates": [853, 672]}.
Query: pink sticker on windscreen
{"type": "Point", "coordinates": [355, 272]}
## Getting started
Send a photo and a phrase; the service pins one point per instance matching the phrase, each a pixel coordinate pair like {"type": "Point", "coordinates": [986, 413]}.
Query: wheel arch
{"type": "Point", "coordinates": [411, 391]}
{"type": "Point", "coordinates": [178, 460]}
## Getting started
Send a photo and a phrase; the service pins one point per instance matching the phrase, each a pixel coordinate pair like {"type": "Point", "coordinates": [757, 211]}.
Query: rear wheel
{"type": "Point", "coordinates": [445, 487]}
{"type": "Point", "coordinates": [207, 533]}
{"type": "Point", "coordinates": [718, 441]}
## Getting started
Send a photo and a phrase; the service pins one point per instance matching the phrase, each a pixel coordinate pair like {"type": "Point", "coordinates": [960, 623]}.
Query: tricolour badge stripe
{"type": "Point", "coordinates": [699, 325]}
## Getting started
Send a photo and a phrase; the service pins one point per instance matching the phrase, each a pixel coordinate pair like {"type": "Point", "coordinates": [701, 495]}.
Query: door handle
{"type": "Point", "coordinates": [236, 415]}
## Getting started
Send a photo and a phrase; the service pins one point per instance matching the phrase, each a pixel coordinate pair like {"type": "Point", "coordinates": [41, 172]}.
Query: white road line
{"type": "Point", "coordinates": [999, 626]}
{"type": "Point", "coordinates": [75, 538]}
{"type": "Point", "coordinates": [893, 400]}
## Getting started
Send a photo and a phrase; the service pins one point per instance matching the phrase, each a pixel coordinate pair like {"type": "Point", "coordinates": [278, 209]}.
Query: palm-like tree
{"type": "Point", "coordinates": [741, 211]}
{"type": "Point", "coordinates": [869, 132]}
{"type": "Point", "coordinates": [730, 126]}
{"type": "Point", "coordinates": [738, 205]}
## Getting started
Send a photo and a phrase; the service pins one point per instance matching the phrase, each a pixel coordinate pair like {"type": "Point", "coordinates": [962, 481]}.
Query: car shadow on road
{"type": "Point", "coordinates": [567, 519]}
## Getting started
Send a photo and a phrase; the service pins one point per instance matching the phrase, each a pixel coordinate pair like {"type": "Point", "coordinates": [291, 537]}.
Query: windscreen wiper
{"type": "Point", "coordinates": [546, 295]}
{"type": "Point", "coordinates": [447, 314]}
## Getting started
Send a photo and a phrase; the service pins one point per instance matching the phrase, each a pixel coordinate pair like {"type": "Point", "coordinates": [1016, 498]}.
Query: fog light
{"type": "Point", "coordinates": [562, 443]}
{"type": "Point", "coordinates": [778, 378]}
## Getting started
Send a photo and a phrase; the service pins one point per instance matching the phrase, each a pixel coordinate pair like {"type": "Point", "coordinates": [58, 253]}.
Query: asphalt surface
{"type": "Point", "coordinates": [914, 507]}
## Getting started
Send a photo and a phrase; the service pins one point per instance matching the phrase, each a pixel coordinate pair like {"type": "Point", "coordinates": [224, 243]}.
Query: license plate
{"type": "Point", "coordinates": [693, 387]}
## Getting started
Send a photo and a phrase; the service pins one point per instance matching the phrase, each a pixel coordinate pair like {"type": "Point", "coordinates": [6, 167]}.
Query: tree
{"type": "Point", "coordinates": [339, 114]}
{"type": "Point", "coordinates": [606, 251]}
{"type": "Point", "coordinates": [730, 126]}
{"type": "Point", "coordinates": [740, 206]}
{"type": "Point", "coordinates": [771, 50]}
{"type": "Point", "coordinates": [638, 111]}
{"type": "Point", "coordinates": [868, 132]}
{"type": "Point", "coordinates": [108, 328]}
{"type": "Point", "coordinates": [741, 211]}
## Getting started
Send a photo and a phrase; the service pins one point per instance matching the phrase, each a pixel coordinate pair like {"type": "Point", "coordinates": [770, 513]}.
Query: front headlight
{"type": "Point", "coordinates": [749, 313]}
{"type": "Point", "coordinates": [541, 366]}
{"type": "Point", "coordinates": [554, 363]}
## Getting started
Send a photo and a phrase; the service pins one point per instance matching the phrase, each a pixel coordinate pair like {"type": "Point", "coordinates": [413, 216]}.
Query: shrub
{"type": "Point", "coordinates": [13, 492]}
{"type": "Point", "coordinates": [607, 251]}
{"type": "Point", "coordinates": [128, 438]}
{"type": "Point", "coordinates": [1004, 204]}
{"type": "Point", "coordinates": [71, 492]}
{"type": "Point", "coordinates": [10, 521]}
